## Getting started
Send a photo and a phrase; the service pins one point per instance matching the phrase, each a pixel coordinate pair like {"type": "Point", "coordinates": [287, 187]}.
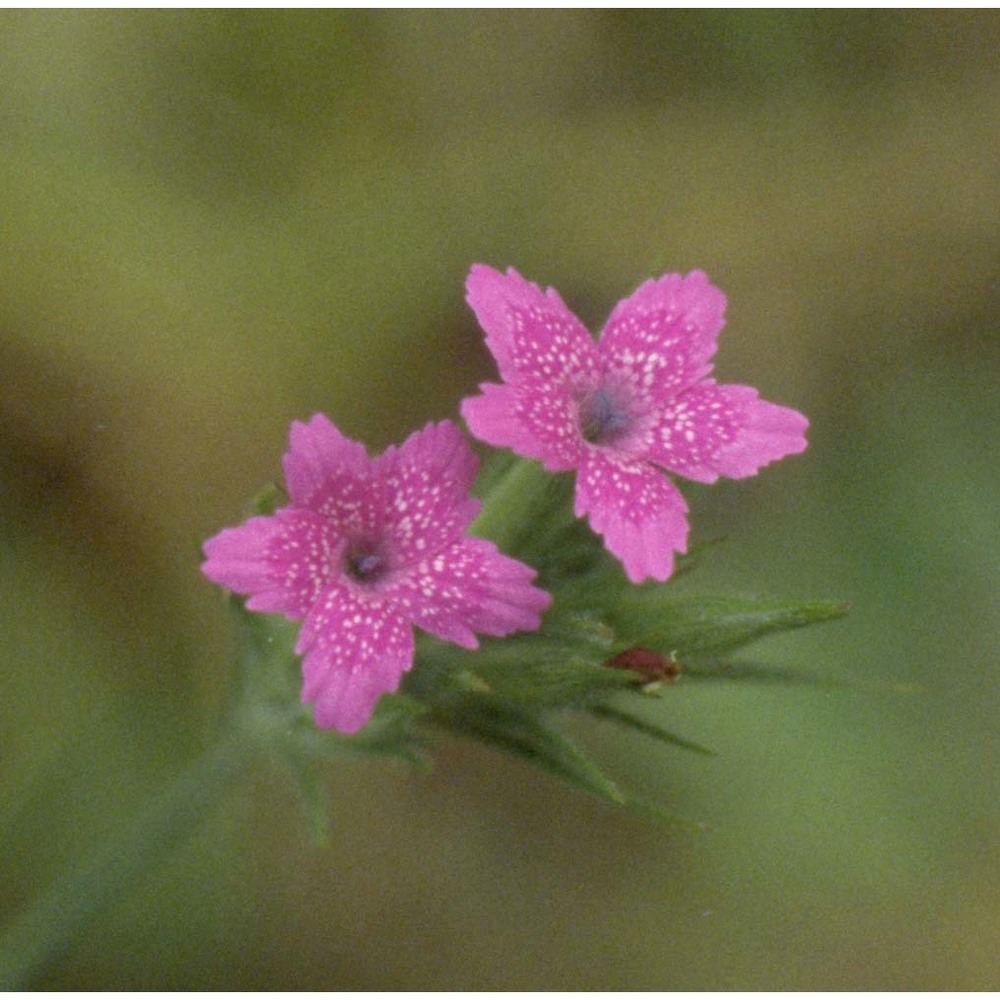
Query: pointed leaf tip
{"type": "Point", "coordinates": [688, 625]}
{"type": "Point", "coordinates": [521, 732]}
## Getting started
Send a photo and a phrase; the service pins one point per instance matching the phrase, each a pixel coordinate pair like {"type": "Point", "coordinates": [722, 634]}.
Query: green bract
{"type": "Point", "coordinates": [604, 648]}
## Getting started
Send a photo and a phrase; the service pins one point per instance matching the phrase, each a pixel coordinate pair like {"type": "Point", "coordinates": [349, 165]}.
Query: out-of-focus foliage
{"type": "Point", "coordinates": [215, 222]}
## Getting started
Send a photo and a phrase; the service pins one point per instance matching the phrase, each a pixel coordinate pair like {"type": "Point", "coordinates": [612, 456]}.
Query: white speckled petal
{"type": "Point", "coordinates": [373, 547]}
{"type": "Point", "coordinates": [282, 562]}
{"type": "Point", "coordinates": [535, 418]}
{"type": "Point", "coordinates": [494, 417]}
{"type": "Point", "coordinates": [723, 430]}
{"type": "Point", "coordinates": [356, 649]}
{"type": "Point", "coordinates": [426, 492]}
{"type": "Point", "coordinates": [529, 332]}
{"type": "Point", "coordinates": [660, 339]}
{"type": "Point", "coordinates": [318, 453]}
{"type": "Point", "coordinates": [470, 588]}
{"type": "Point", "coordinates": [640, 513]}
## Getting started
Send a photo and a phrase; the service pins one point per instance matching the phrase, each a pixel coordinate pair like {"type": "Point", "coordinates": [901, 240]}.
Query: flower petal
{"type": "Point", "coordinates": [662, 336]}
{"type": "Point", "coordinates": [536, 419]}
{"type": "Point", "coordinates": [365, 548]}
{"type": "Point", "coordinates": [530, 333]}
{"type": "Point", "coordinates": [356, 649]}
{"type": "Point", "coordinates": [426, 489]}
{"type": "Point", "coordinates": [724, 430]}
{"type": "Point", "coordinates": [494, 418]}
{"type": "Point", "coordinates": [640, 513]}
{"type": "Point", "coordinates": [282, 562]}
{"type": "Point", "coordinates": [471, 588]}
{"type": "Point", "coordinates": [318, 452]}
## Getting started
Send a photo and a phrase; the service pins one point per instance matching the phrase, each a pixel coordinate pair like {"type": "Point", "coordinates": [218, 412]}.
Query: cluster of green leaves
{"type": "Point", "coordinates": [604, 646]}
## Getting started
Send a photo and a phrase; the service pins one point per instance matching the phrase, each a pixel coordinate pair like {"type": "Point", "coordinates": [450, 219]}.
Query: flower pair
{"type": "Point", "coordinates": [368, 548]}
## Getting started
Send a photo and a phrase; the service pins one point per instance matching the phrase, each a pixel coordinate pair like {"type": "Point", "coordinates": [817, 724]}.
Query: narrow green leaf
{"type": "Point", "coordinates": [522, 733]}
{"type": "Point", "coordinates": [647, 728]}
{"type": "Point", "coordinates": [560, 681]}
{"type": "Point", "coordinates": [520, 499]}
{"type": "Point", "coordinates": [562, 665]}
{"type": "Point", "coordinates": [689, 625]}
{"type": "Point", "coordinates": [528, 512]}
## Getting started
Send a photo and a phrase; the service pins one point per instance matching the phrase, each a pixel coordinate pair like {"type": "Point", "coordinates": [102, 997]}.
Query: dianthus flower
{"type": "Point", "coordinates": [624, 408]}
{"type": "Point", "coordinates": [365, 550]}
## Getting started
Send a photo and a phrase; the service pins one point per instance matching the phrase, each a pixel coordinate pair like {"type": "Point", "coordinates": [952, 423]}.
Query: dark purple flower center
{"type": "Point", "coordinates": [603, 417]}
{"type": "Point", "coordinates": [365, 563]}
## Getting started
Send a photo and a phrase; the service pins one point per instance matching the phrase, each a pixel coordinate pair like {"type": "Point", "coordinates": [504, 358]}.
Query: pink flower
{"type": "Point", "coordinates": [367, 549]}
{"type": "Point", "coordinates": [622, 409]}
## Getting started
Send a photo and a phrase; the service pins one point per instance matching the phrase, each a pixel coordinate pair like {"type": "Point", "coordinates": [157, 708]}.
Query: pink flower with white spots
{"type": "Point", "coordinates": [623, 408]}
{"type": "Point", "coordinates": [365, 550]}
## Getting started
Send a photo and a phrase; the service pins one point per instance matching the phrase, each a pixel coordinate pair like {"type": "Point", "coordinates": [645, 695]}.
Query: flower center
{"type": "Point", "coordinates": [603, 418]}
{"type": "Point", "coordinates": [365, 563]}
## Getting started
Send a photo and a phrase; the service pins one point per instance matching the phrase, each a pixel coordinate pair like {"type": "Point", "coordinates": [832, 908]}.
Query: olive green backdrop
{"type": "Point", "coordinates": [212, 223]}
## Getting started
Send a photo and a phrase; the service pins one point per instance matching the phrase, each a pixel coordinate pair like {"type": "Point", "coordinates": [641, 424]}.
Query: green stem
{"type": "Point", "coordinates": [42, 934]}
{"type": "Point", "coordinates": [512, 507]}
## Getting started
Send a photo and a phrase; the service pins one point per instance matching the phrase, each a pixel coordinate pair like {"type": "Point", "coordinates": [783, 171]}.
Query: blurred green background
{"type": "Point", "coordinates": [216, 222]}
